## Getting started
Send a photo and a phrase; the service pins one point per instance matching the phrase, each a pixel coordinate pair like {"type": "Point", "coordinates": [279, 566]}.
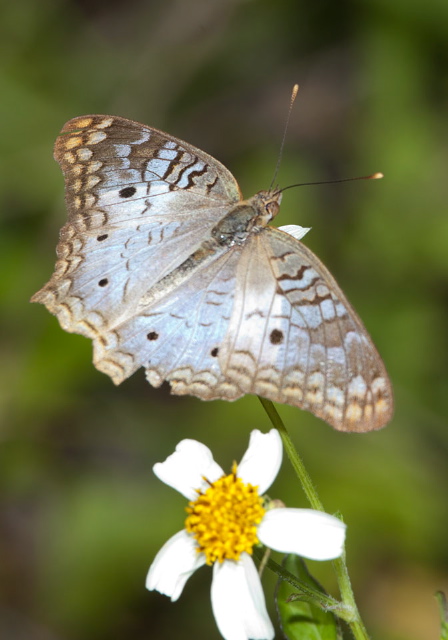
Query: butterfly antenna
{"type": "Point", "coordinates": [375, 176]}
{"type": "Point", "coordinates": [294, 93]}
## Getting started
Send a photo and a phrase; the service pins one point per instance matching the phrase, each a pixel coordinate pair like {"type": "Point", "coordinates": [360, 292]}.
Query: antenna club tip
{"type": "Point", "coordinates": [295, 91]}
{"type": "Point", "coordinates": [377, 176]}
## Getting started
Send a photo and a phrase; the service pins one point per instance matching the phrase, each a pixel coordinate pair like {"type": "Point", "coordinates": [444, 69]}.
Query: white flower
{"type": "Point", "coordinates": [226, 518]}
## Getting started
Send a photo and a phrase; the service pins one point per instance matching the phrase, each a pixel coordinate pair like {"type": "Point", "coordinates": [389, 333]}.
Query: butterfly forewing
{"type": "Point", "coordinates": [162, 266]}
{"type": "Point", "coordinates": [139, 203]}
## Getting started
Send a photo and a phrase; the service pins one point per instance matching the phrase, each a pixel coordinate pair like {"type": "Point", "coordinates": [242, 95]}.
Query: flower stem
{"type": "Point", "coordinates": [293, 456]}
{"type": "Point", "coordinates": [348, 598]}
{"type": "Point", "coordinates": [339, 565]}
{"type": "Point", "coordinates": [443, 607]}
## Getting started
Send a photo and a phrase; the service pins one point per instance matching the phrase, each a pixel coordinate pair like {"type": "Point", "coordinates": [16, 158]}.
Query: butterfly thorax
{"type": "Point", "coordinates": [246, 217]}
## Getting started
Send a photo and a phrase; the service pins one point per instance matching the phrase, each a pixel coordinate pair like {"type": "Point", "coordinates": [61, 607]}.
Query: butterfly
{"type": "Point", "coordinates": [165, 266]}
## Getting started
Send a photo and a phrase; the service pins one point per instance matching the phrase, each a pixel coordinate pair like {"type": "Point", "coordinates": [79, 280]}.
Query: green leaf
{"type": "Point", "coordinates": [299, 619]}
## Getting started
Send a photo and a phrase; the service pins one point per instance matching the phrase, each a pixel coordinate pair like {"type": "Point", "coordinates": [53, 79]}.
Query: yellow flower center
{"type": "Point", "coordinates": [223, 519]}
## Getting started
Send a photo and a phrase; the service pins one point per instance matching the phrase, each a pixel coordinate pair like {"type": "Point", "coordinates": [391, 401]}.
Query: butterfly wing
{"type": "Point", "coordinates": [139, 203]}
{"type": "Point", "coordinates": [177, 337]}
{"type": "Point", "coordinates": [263, 316]}
{"type": "Point", "coordinates": [294, 338]}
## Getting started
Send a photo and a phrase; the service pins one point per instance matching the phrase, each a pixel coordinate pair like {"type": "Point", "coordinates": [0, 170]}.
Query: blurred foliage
{"type": "Point", "coordinates": [81, 513]}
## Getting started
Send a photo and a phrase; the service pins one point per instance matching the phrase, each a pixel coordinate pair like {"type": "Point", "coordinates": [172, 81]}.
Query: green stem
{"type": "Point", "coordinates": [293, 456]}
{"type": "Point", "coordinates": [443, 607]}
{"type": "Point", "coordinates": [348, 598]}
{"type": "Point", "coordinates": [339, 565]}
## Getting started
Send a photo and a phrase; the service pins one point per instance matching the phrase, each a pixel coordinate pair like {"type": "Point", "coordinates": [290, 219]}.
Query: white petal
{"type": "Point", "coordinates": [295, 230]}
{"type": "Point", "coordinates": [262, 460]}
{"type": "Point", "coordinates": [238, 601]}
{"type": "Point", "coordinates": [305, 532]}
{"type": "Point", "coordinates": [173, 565]}
{"type": "Point", "coordinates": [185, 469]}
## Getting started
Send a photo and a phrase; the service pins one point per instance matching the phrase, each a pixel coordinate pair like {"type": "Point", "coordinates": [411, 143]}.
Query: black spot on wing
{"type": "Point", "coordinates": [127, 192]}
{"type": "Point", "coordinates": [276, 336]}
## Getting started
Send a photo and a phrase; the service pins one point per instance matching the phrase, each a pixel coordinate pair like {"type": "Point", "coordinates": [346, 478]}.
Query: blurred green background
{"type": "Point", "coordinates": [81, 513]}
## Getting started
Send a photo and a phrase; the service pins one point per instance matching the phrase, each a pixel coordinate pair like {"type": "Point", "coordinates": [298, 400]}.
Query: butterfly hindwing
{"type": "Point", "coordinates": [294, 338]}
{"type": "Point", "coordinates": [178, 336]}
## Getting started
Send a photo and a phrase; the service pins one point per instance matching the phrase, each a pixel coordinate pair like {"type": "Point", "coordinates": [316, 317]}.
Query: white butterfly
{"type": "Point", "coordinates": [165, 266]}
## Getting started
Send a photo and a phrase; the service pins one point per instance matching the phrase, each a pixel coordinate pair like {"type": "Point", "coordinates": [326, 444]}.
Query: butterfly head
{"type": "Point", "coordinates": [267, 205]}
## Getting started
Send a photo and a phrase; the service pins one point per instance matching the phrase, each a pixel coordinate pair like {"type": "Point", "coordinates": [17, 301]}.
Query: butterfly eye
{"type": "Point", "coordinates": [272, 208]}
{"type": "Point", "coordinates": [127, 192]}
